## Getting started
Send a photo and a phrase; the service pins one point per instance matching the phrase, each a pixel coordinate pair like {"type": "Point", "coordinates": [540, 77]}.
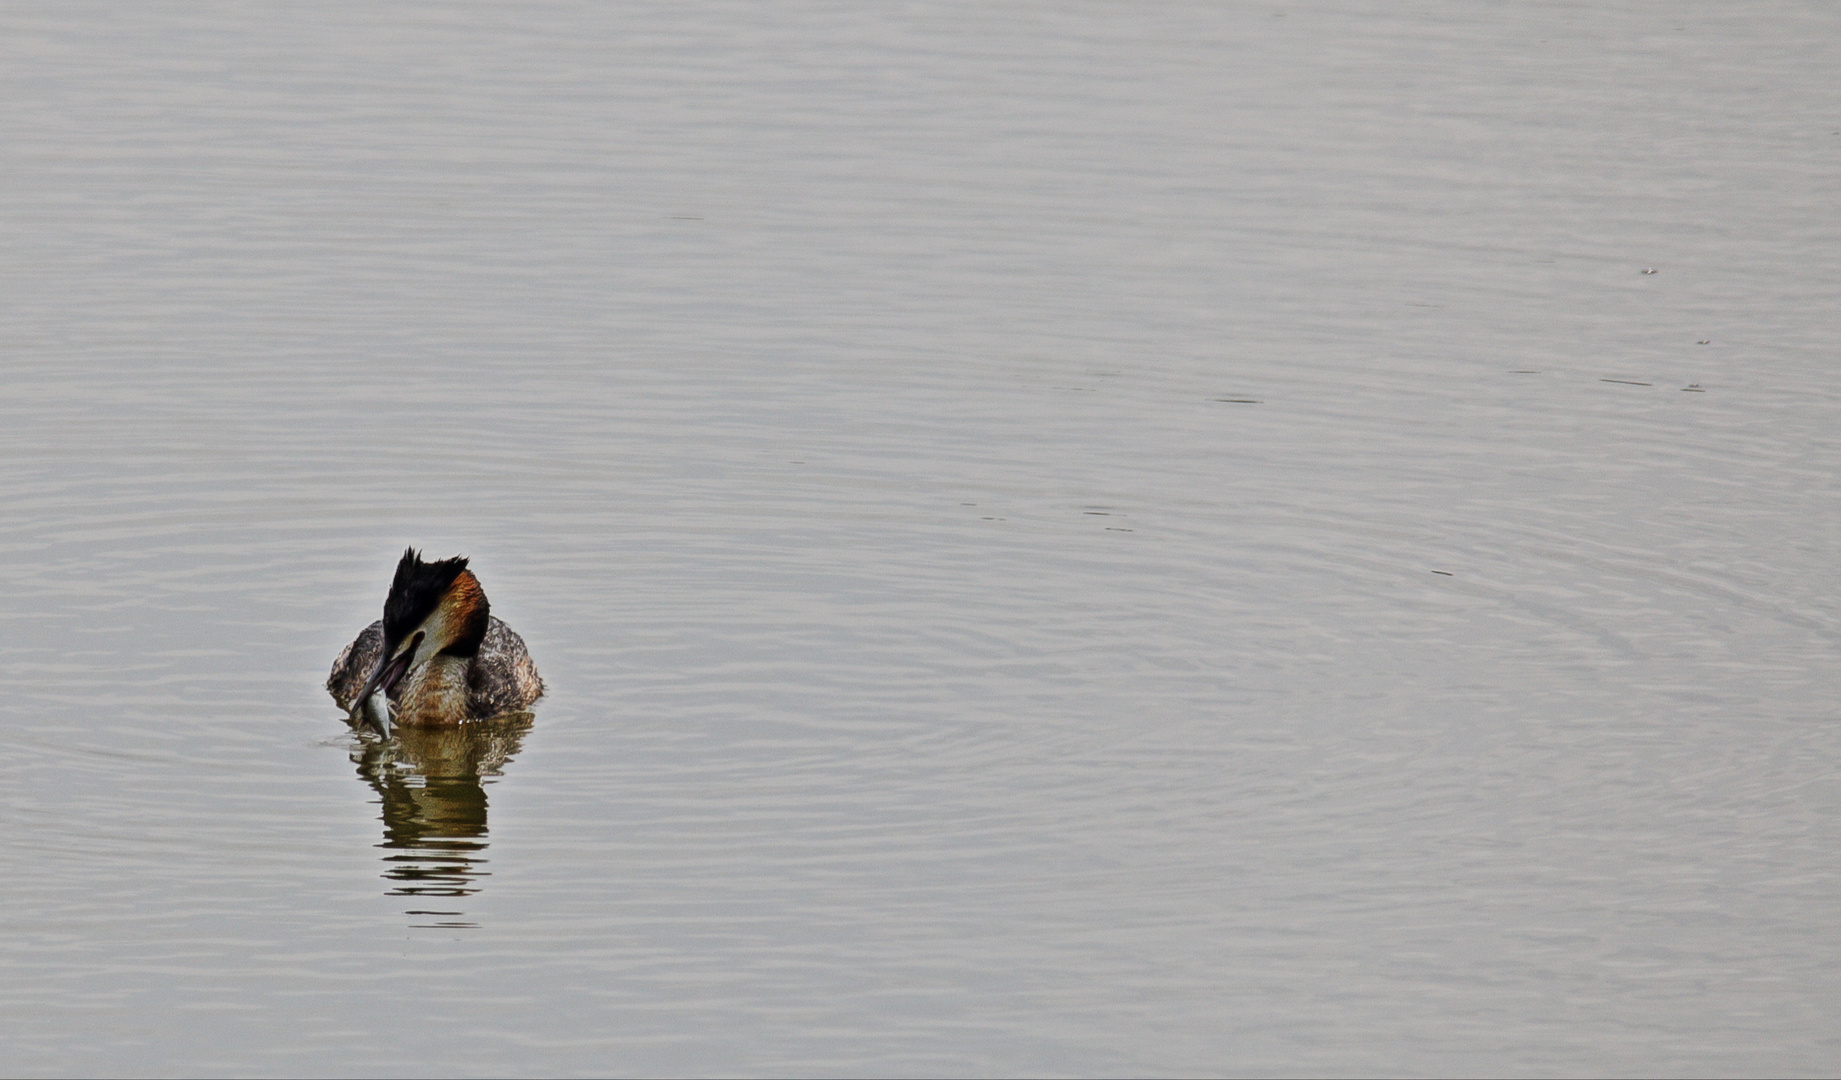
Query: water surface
{"type": "Point", "coordinates": [1063, 538]}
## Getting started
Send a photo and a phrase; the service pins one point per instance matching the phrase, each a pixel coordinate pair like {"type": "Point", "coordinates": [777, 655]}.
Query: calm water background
{"type": "Point", "coordinates": [948, 674]}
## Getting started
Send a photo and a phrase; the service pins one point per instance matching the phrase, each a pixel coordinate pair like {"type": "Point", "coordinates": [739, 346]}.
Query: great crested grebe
{"type": "Point", "coordinates": [437, 657]}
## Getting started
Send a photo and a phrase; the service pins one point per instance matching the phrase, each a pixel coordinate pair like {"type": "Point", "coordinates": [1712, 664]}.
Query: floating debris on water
{"type": "Point", "coordinates": [1627, 382]}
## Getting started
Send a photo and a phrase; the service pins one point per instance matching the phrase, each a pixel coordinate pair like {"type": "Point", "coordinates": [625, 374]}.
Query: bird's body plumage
{"type": "Point", "coordinates": [437, 657]}
{"type": "Point", "coordinates": [501, 679]}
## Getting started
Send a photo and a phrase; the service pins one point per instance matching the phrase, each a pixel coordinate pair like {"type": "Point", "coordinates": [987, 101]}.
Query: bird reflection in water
{"type": "Point", "coordinates": [432, 783]}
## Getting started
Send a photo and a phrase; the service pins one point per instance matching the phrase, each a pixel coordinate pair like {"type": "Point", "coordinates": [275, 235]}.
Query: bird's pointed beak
{"type": "Point", "coordinates": [384, 677]}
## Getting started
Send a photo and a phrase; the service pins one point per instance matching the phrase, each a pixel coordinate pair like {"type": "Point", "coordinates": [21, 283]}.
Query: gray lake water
{"type": "Point", "coordinates": [1063, 538]}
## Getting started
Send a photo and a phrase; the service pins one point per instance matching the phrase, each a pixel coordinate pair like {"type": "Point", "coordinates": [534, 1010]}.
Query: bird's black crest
{"type": "Point", "coordinates": [417, 590]}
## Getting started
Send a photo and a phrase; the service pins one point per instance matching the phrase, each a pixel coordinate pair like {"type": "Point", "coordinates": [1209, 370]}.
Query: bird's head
{"type": "Point", "coordinates": [434, 609]}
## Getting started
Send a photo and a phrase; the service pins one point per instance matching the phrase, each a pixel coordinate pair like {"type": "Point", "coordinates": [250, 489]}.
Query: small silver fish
{"type": "Point", "coordinates": [376, 709]}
